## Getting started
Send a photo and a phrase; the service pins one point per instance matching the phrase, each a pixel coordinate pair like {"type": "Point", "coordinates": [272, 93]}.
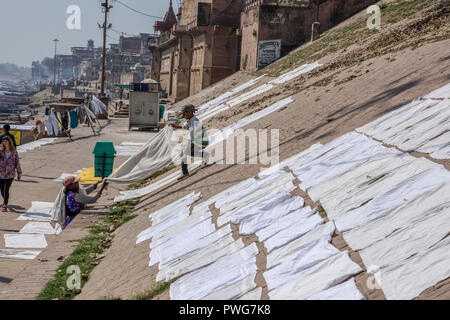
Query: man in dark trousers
{"type": "Point", "coordinates": [197, 135]}
{"type": "Point", "coordinates": [6, 128]}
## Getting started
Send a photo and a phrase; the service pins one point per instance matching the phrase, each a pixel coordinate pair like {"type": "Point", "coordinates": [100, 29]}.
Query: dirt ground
{"type": "Point", "coordinates": [319, 114]}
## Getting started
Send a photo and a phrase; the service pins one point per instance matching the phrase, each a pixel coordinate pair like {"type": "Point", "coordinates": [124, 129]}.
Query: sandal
{"type": "Point", "coordinates": [4, 208]}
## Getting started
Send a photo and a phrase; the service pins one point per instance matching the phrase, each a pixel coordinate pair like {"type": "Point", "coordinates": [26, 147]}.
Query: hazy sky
{"type": "Point", "coordinates": [27, 27]}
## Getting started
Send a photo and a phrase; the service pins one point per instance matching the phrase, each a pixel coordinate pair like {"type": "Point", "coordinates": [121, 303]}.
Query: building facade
{"type": "Point", "coordinates": [197, 49]}
{"type": "Point", "coordinates": [289, 21]}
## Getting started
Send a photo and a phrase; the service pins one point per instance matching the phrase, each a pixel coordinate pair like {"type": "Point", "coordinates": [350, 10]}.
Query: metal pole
{"type": "Point", "coordinates": [105, 27]}
{"type": "Point", "coordinates": [54, 63]}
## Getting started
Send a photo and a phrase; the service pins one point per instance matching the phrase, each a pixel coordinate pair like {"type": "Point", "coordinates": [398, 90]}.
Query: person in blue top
{"type": "Point", "coordinates": [77, 197]}
{"type": "Point", "coordinates": [6, 128]}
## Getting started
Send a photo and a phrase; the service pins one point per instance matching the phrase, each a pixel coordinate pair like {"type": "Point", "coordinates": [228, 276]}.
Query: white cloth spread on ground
{"type": "Point", "coordinates": [285, 222]}
{"type": "Point", "coordinates": [276, 180]}
{"type": "Point", "coordinates": [418, 126]}
{"type": "Point", "coordinates": [222, 273]}
{"type": "Point", "coordinates": [39, 211]}
{"type": "Point", "coordinates": [168, 216]}
{"type": "Point", "coordinates": [298, 262]}
{"type": "Point", "coordinates": [234, 290]}
{"type": "Point", "coordinates": [158, 153]}
{"type": "Point", "coordinates": [40, 228]}
{"type": "Point", "coordinates": [407, 214]}
{"type": "Point", "coordinates": [292, 232]}
{"type": "Point", "coordinates": [182, 252]}
{"type": "Point", "coordinates": [335, 158]}
{"type": "Point", "coordinates": [200, 258]}
{"type": "Point", "coordinates": [279, 255]}
{"type": "Point", "coordinates": [415, 238]}
{"type": "Point", "coordinates": [181, 244]}
{"type": "Point", "coordinates": [19, 254]}
{"type": "Point", "coordinates": [248, 95]}
{"type": "Point", "coordinates": [438, 148]}
{"type": "Point", "coordinates": [382, 203]}
{"type": "Point", "coordinates": [264, 188]}
{"type": "Point", "coordinates": [226, 96]}
{"type": "Point", "coordinates": [132, 194]}
{"type": "Point", "coordinates": [289, 161]}
{"type": "Point", "coordinates": [65, 175]}
{"type": "Point", "coordinates": [295, 73]}
{"type": "Point", "coordinates": [344, 291]}
{"type": "Point", "coordinates": [252, 295]}
{"type": "Point", "coordinates": [441, 93]}
{"type": "Point", "coordinates": [128, 149]}
{"type": "Point", "coordinates": [33, 145]}
{"type": "Point", "coordinates": [265, 211]}
{"type": "Point", "coordinates": [361, 184]}
{"type": "Point", "coordinates": [35, 241]}
{"type": "Point", "coordinates": [319, 277]}
{"type": "Point", "coordinates": [407, 279]}
{"type": "Point", "coordinates": [179, 228]}
{"type": "Point", "coordinates": [227, 132]}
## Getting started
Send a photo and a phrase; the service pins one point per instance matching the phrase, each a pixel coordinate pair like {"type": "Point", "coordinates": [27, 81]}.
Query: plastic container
{"type": "Point", "coordinates": [104, 154]}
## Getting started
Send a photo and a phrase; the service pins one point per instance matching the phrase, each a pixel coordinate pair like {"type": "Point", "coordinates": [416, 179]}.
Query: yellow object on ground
{"type": "Point", "coordinates": [16, 135]}
{"type": "Point", "coordinates": [88, 176]}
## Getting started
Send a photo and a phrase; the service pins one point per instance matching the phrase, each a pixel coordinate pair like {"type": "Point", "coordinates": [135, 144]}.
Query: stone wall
{"type": "Point", "coordinates": [291, 24]}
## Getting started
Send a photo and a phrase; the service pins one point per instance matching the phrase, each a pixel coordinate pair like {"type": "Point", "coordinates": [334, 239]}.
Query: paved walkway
{"type": "Point", "coordinates": [24, 279]}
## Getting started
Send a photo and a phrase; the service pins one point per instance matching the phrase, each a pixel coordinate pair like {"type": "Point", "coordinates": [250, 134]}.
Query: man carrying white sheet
{"type": "Point", "coordinates": [198, 138]}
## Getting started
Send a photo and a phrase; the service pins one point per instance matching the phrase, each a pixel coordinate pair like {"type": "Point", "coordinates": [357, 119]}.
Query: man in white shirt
{"type": "Point", "coordinates": [198, 138]}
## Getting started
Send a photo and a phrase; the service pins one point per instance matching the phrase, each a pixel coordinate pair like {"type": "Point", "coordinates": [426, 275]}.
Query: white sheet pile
{"type": "Point", "coordinates": [223, 273]}
{"type": "Point", "coordinates": [422, 125]}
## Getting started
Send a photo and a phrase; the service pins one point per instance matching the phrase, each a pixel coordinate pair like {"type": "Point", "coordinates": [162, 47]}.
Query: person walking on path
{"type": "Point", "coordinates": [9, 165]}
{"type": "Point", "coordinates": [198, 138]}
{"type": "Point", "coordinates": [6, 128]}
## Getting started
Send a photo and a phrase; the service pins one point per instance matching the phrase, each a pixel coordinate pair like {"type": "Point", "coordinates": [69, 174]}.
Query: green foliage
{"type": "Point", "coordinates": [87, 254]}
{"type": "Point", "coordinates": [143, 182]}
{"type": "Point", "coordinates": [160, 288]}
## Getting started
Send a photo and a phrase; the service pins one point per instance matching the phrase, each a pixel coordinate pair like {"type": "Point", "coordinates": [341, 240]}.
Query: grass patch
{"type": "Point", "coordinates": [89, 252]}
{"type": "Point", "coordinates": [322, 212]}
{"type": "Point", "coordinates": [160, 288]}
{"type": "Point", "coordinates": [143, 182]}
